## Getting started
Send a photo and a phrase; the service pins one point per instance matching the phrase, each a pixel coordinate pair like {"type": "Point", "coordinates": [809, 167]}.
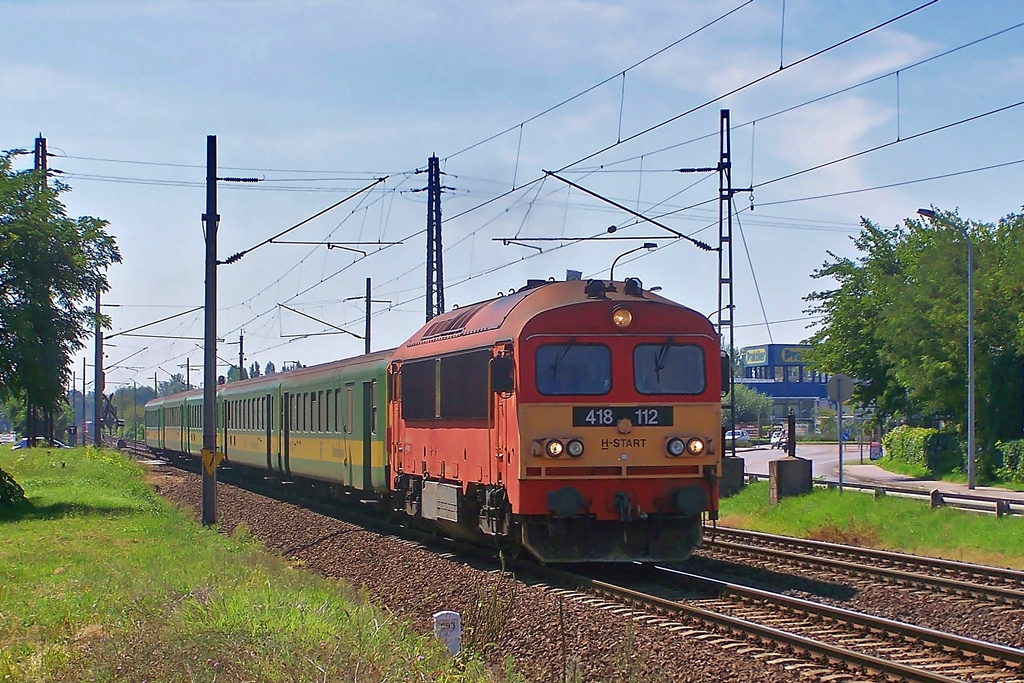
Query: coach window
{"type": "Point", "coordinates": [334, 413]}
{"type": "Point", "coordinates": [321, 412]}
{"type": "Point", "coordinates": [574, 369]}
{"type": "Point", "coordinates": [668, 369]}
{"type": "Point", "coordinates": [349, 410]}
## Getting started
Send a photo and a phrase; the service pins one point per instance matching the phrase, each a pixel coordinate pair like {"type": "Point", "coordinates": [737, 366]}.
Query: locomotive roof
{"type": "Point", "coordinates": [503, 317]}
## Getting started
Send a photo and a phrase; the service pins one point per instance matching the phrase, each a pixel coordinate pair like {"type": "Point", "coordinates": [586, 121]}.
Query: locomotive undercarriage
{"type": "Point", "coordinates": [658, 538]}
{"type": "Point", "coordinates": [484, 515]}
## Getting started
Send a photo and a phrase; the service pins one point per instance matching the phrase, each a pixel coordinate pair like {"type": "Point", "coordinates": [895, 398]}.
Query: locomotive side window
{"type": "Point", "coordinates": [419, 389]}
{"type": "Point", "coordinates": [669, 369]}
{"type": "Point", "coordinates": [464, 385]}
{"type": "Point", "coordinates": [574, 369]}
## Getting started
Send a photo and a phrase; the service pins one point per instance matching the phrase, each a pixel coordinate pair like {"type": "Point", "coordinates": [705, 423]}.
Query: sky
{"type": "Point", "coordinates": [839, 110]}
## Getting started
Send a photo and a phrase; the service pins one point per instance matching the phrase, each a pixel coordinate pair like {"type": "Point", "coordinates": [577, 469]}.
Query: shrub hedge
{"type": "Point", "coordinates": [939, 452]}
{"type": "Point", "coordinates": [11, 493]}
{"type": "Point", "coordinates": [1012, 455]}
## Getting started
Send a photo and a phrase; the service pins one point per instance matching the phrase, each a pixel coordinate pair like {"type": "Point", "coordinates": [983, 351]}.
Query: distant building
{"type": "Point", "coordinates": [778, 370]}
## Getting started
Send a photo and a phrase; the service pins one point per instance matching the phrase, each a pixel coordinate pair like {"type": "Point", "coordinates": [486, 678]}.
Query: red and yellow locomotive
{"type": "Point", "coordinates": [580, 421]}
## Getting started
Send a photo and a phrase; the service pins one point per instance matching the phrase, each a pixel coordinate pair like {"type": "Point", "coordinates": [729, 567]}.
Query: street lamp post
{"type": "Point", "coordinates": [646, 245]}
{"type": "Point", "coordinates": [971, 446]}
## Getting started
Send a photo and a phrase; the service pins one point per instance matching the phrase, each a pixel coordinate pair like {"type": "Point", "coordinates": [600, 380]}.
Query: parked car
{"type": "Point", "coordinates": [40, 443]}
{"type": "Point", "coordinates": [737, 435]}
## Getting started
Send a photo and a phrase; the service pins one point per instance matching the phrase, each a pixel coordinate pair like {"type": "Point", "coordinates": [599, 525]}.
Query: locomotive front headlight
{"type": "Point", "coordinates": [555, 448]}
{"type": "Point", "coordinates": [695, 446]}
{"type": "Point", "coordinates": [675, 447]}
{"type": "Point", "coordinates": [622, 317]}
{"type": "Point", "coordinates": [575, 448]}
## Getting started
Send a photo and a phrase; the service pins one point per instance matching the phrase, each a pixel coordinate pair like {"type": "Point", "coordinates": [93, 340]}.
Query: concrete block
{"type": "Point", "coordinates": [788, 477]}
{"type": "Point", "coordinates": [732, 481]}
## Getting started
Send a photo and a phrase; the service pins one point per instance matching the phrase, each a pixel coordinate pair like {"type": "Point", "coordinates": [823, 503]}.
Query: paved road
{"type": "Point", "coordinates": [825, 463]}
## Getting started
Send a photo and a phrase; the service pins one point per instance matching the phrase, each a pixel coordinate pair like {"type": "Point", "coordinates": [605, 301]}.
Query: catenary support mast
{"type": "Point", "coordinates": [435, 269]}
{"type": "Point", "coordinates": [210, 337]}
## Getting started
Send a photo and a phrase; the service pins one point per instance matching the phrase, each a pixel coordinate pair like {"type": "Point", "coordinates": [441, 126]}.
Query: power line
{"type": "Point", "coordinates": [891, 185]}
{"type": "Point", "coordinates": [235, 257]}
{"type": "Point", "coordinates": [891, 143]}
{"type": "Point", "coordinates": [707, 103]}
{"type": "Point", "coordinates": [598, 85]}
{"type": "Point", "coordinates": [358, 175]}
{"type": "Point", "coordinates": [604, 167]}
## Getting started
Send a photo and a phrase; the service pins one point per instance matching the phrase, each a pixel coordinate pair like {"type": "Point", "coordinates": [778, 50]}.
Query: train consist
{"type": "Point", "coordinates": [579, 421]}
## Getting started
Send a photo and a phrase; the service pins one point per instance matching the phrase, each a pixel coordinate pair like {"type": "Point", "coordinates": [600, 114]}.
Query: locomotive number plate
{"type": "Point", "coordinates": [606, 416]}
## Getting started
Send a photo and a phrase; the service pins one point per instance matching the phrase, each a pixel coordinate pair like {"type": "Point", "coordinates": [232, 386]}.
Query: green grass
{"type": "Point", "coordinates": [102, 580]}
{"type": "Point", "coordinates": [888, 522]}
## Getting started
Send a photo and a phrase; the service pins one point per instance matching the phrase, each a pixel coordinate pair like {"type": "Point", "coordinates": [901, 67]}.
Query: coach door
{"type": "Point", "coordinates": [369, 430]}
{"type": "Point", "coordinates": [268, 417]}
{"type": "Point", "coordinates": [286, 412]}
{"type": "Point", "coordinates": [222, 420]}
{"type": "Point", "coordinates": [501, 384]}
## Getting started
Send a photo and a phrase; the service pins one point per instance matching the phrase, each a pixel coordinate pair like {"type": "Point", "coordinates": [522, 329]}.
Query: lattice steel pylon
{"type": "Point", "coordinates": [435, 269]}
{"type": "Point", "coordinates": [726, 305]}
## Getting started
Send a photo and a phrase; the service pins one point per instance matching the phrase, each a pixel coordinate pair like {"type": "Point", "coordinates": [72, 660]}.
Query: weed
{"type": "Point", "coordinates": [486, 617]}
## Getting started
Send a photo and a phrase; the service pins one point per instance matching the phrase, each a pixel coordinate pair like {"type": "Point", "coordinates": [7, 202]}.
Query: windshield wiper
{"type": "Point", "coordinates": [659, 359]}
{"type": "Point", "coordinates": [561, 356]}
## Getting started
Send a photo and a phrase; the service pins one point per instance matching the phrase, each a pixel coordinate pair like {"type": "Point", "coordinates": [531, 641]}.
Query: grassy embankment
{"type": "Point", "coordinates": [888, 522]}
{"type": "Point", "coordinates": [102, 580]}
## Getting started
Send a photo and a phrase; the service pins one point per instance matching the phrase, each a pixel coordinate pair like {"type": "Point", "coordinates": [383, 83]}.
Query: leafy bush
{"type": "Point", "coordinates": [1012, 467]}
{"type": "Point", "coordinates": [944, 453]}
{"type": "Point", "coordinates": [938, 452]}
{"type": "Point", "coordinates": [11, 493]}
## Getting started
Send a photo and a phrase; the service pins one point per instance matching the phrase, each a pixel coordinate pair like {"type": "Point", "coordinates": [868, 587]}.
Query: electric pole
{"type": "Point", "coordinates": [241, 357]}
{"type": "Point", "coordinates": [725, 294]}
{"type": "Point", "coordinates": [367, 331]}
{"type": "Point", "coordinates": [210, 340]}
{"type": "Point", "coordinates": [435, 270]}
{"type": "Point", "coordinates": [33, 415]}
{"type": "Point", "coordinates": [97, 386]}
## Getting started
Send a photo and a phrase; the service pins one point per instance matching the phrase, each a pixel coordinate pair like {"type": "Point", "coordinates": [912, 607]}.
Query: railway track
{"type": "Point", "coordinates": [819, 641]}
{"type": "Point", "coordinates": [957, 578]}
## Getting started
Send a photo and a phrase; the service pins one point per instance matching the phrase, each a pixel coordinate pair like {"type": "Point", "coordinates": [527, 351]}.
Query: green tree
{"type": "Point", "coordinates": [751, 406]}
{"type": "Point", "coordinates": [897, 321]}
{"type": "Point", "coordinates": [50, 265]}
{"type": "Point", "coordinates": [174, 385]}
{"type": "Point", "coordinates": [848, 338]}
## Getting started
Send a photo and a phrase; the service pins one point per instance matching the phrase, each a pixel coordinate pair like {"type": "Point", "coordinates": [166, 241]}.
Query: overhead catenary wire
{"type": "Point", "coordinates": [604, 168]}
{"type": "Point", "coordinates": [599, 84]}
{"type": "Point", "coordinates": [234, 257]}
{"type": "Point", "coordinates": [897, 141]}
{"type": "Point", "coordinates": [691, 110]}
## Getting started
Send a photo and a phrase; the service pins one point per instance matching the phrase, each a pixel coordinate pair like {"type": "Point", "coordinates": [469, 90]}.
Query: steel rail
{"type": "Point", "coordinates": [993, 651]}
{"type": "Point", "coordinates": [932, 563]}
{"type": "Point", "coordinates": [774, 635]}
